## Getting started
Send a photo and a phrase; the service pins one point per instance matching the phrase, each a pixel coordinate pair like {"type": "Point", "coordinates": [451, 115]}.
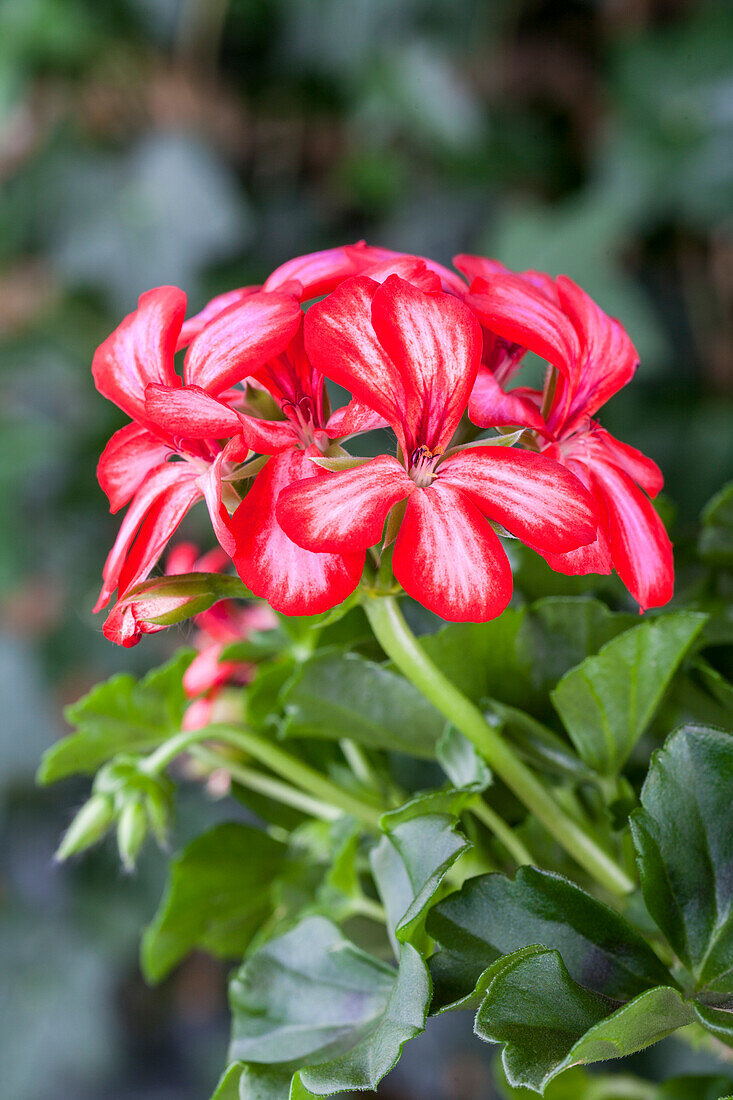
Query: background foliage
{"type": "Point", "coordinates": [201, 142]}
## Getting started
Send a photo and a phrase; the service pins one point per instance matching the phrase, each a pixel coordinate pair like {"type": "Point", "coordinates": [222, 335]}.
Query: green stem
{"type": "Point", "coordinates": [502, 832]}
{"type": "Point", "coordinates": [275, 758]}
{"type": "Point", "coordinates": [267, 784]}
{"type": "Point", "coordinates": [399, 643]}
{"type": "Point", "coordinates": [358, 761]}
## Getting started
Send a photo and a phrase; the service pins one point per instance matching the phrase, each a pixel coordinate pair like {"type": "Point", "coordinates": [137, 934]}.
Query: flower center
{"type": "Point", "coordinates": [422, 465]}
{"type": "Point", "coordinates": [302, 415]}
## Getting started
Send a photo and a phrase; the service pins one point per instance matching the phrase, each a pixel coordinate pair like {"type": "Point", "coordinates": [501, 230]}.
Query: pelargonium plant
{"type": "Point", "coordinates": [463, 797]}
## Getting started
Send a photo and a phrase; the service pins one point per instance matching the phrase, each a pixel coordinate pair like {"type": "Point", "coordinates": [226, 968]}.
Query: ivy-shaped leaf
{"type": "Point", "coordinates": [343, 695]}
{"type": "Point", "coordinates": [493, 915]}
{"type": "Point", "coordinates": [548, 1022]}
{"type": "Point", "coordinates": [683, 835]}
{"type": "Point", "coordinates": [119, 715]}
{"type": "Point", "coordinates": [408, 866]}
{"type": "Point", "coordinates": [311, 1001]}
{"type": "Point", "coordinates": [218, 894]}
{"type": "Point", "coordinates": [607, 702]}
{"type": "Point", "coordinates": [517, 657]}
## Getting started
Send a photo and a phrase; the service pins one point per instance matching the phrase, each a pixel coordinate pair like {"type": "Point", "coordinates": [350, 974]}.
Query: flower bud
{"type": "Point", "coordinates": [89, 826]}
{"type": "Point", "coordinates": [157, 805]}
{"type": "Point", "coordinates": [132, 829]}
{"type": "Point", "coordinates": [157, 603]}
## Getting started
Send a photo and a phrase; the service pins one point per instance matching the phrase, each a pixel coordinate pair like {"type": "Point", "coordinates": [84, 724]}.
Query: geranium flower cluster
{"type": "Point", "coordinates": [424, 352]}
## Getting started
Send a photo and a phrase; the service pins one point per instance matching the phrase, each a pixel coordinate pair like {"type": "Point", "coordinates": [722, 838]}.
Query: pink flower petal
{"type": "Point", "coordinates": [533, 496]}
{"type": "Point", "coordinates": [490, 406]}
{"type": "Point", "coordinates": [196, 324]}
{"type": "Point", "coordinates": [140, 351]}
{"type": "Point", "coordinates": [435, 343]}
{"type": "Point", "coordinates": [640, 546]}
{"type": "Point", "coordinates": [294, 581]}
{"type": "Point", "coordinates": [126, 461]}
{"type": "Point", "coordinates": [240, 340]}
{"type": "Point", "coordinates": [449, 559]}
{"type": "Point", "coordinates": [343, 511]}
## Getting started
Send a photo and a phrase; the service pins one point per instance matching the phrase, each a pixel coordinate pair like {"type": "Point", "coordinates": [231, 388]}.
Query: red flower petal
{"type": "Point", "coordinates": [320, 272]}
{"type": "Point", "coordinates": [293, 580]}
{"type": "Point", "coordinates": [141, 350]}
{"type": "Point", "coordinates": [479, 267]}
{"type": "Point", "coordinates": [449, 281]}
{"type": "Point", "coordinates": [352, 419]}
{"type": "Point", "coordinates": [449, 559]}
{"type": "Point", "coordinates": [125, 462]}
{"type": "Point", "coordinates": [196, 324]}
{"type": "Point", "coordinates": [640, 546]}
{"type": "Point", "coordinates": [607, 362]}
{"type": "Point", "coordinates": [489, 405]}
{"type": "Point", "coordinates": [514, 309]}
{"type": "Point", "coordinates": [158, 482]}
{"type": "Point", "coordinates": [412, 269]}
{"type": "Point", "coordinates": [595, 557]}
{"type": "Point", "coordinates": [534, 497]}
{"type": "Point", "coordinates": [210, 485]}
{"type": "Point", "coordinates": [240, 340]}
{"type": "Point", "coordinates": [641, 469]}
{"type": "Point", "coordinates": [435, 343]}
{"type": "Point", "coordinates": [341, 344]}
{"type": "Point", "coordinates": [190, 413]}
{"type": "Point", "coordinates": [206, 671]}
{"type": "Point", "coordinates": [159, 525]}
{"type": "Point", "coordinates": [345, 510]}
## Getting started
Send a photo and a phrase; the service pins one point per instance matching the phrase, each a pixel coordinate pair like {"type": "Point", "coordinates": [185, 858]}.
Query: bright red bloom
{"type": "Point", "coordinates": [413, 356]}
{"type": "Point", "coordinates": [136, 465]}
{"type": "Point", "coordinates": [594, 358]}
{"type": "Point", "coordinates": [294, 580]}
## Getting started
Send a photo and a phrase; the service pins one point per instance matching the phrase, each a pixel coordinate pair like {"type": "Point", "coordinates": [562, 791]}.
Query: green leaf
{"type": "Point", "coordinates": [409, 864]}
{"type": "Point", "coordinates": [548, 1022]}
{"type": "Point", "coordinates": [578, 1084]}
{"type": "Point", "coordinates": [718, 1020]}
{"type": "Point", "coordinates": [559, 632]}
{"type": "Point", "coordinates": [716, 537]}
{"type": "Point", "coordinates": [461, 762]}
{"type": "Point", "coordinates": [696, 1088]}
{"type": "Point", "coordinates": [218, 894]}
{"type": "Point", "coordinates": [344, 695]}
{"type": "Point", "coordinates": [543, 748]}
{"type": "Point", "coordinates": [403, 1018]}
{"type": "Point", "coordinates": [683, 834]}
{"type": "Point", "coordinates": [484, 658]}
{"type": "Point", "coordinates": [228, 1086]}
{"type": "Point", "coordinates": [120, 715]}
{"type": "Point", "coordinates": [311, 998]}
{"type": "Point", "coordinates": [493, 915]}
{"type": "Point", "coordinates": [517, 657]}
{"type": "Point", "coordinates": [607, 702]}
{"type": "Point", "coordinates": [253, 1082]}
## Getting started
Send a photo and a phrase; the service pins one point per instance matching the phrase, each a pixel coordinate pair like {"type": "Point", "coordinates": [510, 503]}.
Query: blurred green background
{"type": "Point", "coordinates": [203, 142]}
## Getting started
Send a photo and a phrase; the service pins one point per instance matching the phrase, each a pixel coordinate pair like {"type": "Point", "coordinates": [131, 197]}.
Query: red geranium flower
{"type": "Point", "coordinates": [294, 580]}
{"type": "Point", "coordinates": [136, 465]}
{"type": "Point", "coordinates": [413, 357]}
{"type": "Point", "coordinates": [594, 358]}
